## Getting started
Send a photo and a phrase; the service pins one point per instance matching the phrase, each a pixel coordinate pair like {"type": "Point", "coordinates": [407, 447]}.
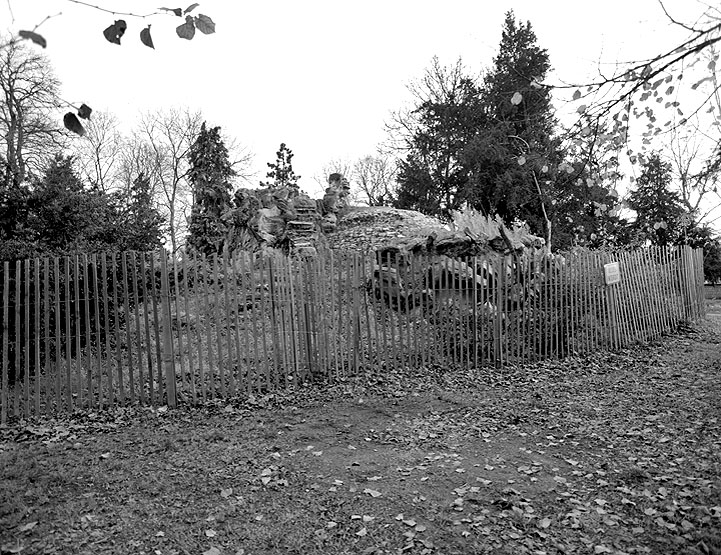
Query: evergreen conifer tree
{"type": "Point", "coordinates": [210, 175]}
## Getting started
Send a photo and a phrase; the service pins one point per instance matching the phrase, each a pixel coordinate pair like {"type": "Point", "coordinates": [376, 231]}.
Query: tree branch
{"type": "Point", "coordinates": [128, 14]}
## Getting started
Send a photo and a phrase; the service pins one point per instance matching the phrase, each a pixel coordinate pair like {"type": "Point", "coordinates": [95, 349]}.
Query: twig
{"type": "Point", "coordinates": [112, 11]}
{"type": "Point", "coordinates": [46, 18]}
{"type": "Point", "coordinates": [688, 28]}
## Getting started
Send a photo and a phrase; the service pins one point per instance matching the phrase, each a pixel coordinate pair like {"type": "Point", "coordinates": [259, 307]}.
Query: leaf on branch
{"type": "Point", "coordinates": [697, 84]}
{"type": "Point", "coordinates": [187, 29]}
{"type": "Point", "coordinates": [191, 8]}
{"type": "Point", "coordinates": [577, 95]}
{"type": "Point", "coordinates": [37, 39]}
{"type": "Point", "coordinates": [521, 160]}
{"type": "Point", "coordinates": [517, 98]}
{"type": "Point", "coordinates": [204, 24]}
{"type": "Point", "coordinates": [146, 39]}
{"type": "Point", "coordinates": [176, 11]}
{"type": "Point", "coordinates": [115, 32]}
{"type": "Point", "coordinates": [581, 109]}
{"type": "Point", "coordinates": [712, 65]}
{"type": "Point", "coordinates": [669, 90]}
{"type": "Point", "coordinates": [84, 111]}
{"type": "Point", "coordinates": [72, 123]}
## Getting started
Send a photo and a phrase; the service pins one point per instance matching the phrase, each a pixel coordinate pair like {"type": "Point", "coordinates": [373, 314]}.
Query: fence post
{"type": "Point", "coordinates": [168, 358]}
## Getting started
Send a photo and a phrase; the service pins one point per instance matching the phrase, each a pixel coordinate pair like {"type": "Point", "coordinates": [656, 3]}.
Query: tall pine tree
{"type": "Point", "coordinates": [281, 172]}
{"type": "Point", "coordinates": [658, 208]}
{"type": "Point", "coordinates": [210, 174]}
{"type": "Point", "coordinates": [514, 154]}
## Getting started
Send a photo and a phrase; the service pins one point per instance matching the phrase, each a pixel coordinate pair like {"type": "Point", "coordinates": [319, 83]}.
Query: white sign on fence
{"type": "Point", "coordinates": [612, 272]}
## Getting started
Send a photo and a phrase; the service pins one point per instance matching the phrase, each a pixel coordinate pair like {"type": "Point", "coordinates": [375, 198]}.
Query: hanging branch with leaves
{"type": "Point", "coordinates": [114, 33]}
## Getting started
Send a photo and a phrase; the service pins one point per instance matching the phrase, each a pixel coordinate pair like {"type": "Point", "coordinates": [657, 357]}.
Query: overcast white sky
{"type": "Point", "coordinates": [319, 75]}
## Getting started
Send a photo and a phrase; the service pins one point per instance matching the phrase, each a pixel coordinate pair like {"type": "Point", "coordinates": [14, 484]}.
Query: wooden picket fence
{"type": "Point", "coordinates": [94, 330]}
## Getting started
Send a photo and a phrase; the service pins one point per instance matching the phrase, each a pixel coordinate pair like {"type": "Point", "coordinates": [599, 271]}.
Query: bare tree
{"type": "Point", "coordinates": [29, 135]}
{"type": "Point", "coordinates": [645, 97]}
{"type": "Point", "coordinates": [98, 152]}
{"type": "Point", "coordinates": [136, 157]}
{"type": "Point", "coordinates": [169, 135]}
{"type": "Point", "coordinates": [374, 178]}
{"type": "Point", "coordinates": [339, 165]}
{"type": "Point", "coordinates": [159, 150]}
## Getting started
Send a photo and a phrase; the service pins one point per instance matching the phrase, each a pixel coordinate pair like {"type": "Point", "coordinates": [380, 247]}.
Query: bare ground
{"type": "Point", "coordinates": [614, 453]}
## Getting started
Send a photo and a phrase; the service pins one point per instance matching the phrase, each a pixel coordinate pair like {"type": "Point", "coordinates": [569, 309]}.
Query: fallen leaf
{"type": "Point", "coordinates": [225, 493]}
{"type": "Point", "coordinates": [210, 533]}
{"type": "Point", "coordinates": [362, 532]}
{"type": "Point", "coordinates": [372, 492]}
{"type": "Point", "coordinates": [544, 522]}
{"type": "Point", "coordinates": [212, 551]}
{"type": "Point", "coordinates": [28, 526]}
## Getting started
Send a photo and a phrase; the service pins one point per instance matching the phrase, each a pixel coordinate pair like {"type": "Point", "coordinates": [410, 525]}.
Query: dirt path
{"type": "Point", "coordinates": [616, 453]}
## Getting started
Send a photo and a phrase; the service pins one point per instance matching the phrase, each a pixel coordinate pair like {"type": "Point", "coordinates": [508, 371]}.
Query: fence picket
{"type": "Point", "coordinates": [278, 348]}
{"type": "Point", "coordinates": [167, 323]}
{"type": "Point", "coordinates": [207, 324]}
{"type": "Point", "coordinates": [26, 349]}
{"type": "Point", "coordinates": [147, 307]}
{"type": "Point", "coordinates": [106, 328]}
{"type": "Point", "coordinates": [116, 324]}
{"type": "Point", "coordinates": [57, 370]}
{"type": "Point", "coordinates": [180, 374]}
{"type": "Point", "coordinates": [78, 337]}
{"type": "Point", "coordinates": [5, 338]}
{"type": "Point", "coordinates": [138, 330]}
{"type": "Point", "coordinates": [16, 341]}
{"type": "Point", "coordinates": [192, 324]}
{"type": "Point", "coordinates": [232, 283]}
{"type": "Point", "coordinates": [37, 340]}
{"type": "Point", "coordinates": [156, 298]}
{"type": "Point", "coordinates": [198, 300]}
{"type": "Point", "coordinates": [367, 301]}
{"type": "Point", "coordinates": [218, 313]}
{"type": "Point", "coordinates": [128, 338]}
{"type": "Point", "coordinates": [46, 327]}
{"type": "Point", "coordinates": [68, 340]}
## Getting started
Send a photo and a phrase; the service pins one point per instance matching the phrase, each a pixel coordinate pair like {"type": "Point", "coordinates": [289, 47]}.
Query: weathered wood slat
{"type": "Point", "coordinates": [128, 326]}
{"type": "Point", "coordinates": [116, 326]}
{"type": "Point", "coordinates": [26, 346]}
{"type": "Point", "coordinates": [78, 337]}
{"type": "Point", "coordinates": [192, 322]}
{"type": "Point", "coordinates": [4, 398]}
{"type": "Point", "coordinates": [38, 335]}
{"type": "Point", "coordinates": [200, 323]}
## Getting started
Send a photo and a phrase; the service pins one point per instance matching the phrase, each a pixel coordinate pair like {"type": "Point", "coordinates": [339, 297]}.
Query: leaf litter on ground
{"type": "Point", "coordinates": [609, 453]}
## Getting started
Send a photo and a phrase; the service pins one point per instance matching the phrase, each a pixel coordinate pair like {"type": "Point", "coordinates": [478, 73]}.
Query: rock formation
{"type": "Point", "coordinates": [285, 218]}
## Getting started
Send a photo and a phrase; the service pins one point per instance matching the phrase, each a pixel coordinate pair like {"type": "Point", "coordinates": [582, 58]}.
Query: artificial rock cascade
{"type": "Point", "coordinates": [287, 219]}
